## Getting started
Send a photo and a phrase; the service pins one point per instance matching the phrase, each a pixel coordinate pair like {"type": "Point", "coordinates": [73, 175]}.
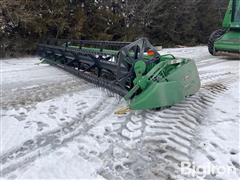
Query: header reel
{"type": "Point", "coordinates": [134, 70]}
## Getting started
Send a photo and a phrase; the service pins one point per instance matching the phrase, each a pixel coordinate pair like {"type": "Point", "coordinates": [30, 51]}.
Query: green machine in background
{"type": "Point", "coordinates": [226, 41]}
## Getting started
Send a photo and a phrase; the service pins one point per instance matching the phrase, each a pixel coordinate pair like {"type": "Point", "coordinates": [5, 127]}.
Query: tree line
{"type": "Point", "coordinates": [168, 23]}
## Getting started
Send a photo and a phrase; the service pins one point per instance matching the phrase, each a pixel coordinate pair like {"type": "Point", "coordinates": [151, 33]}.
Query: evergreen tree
{"type": "Point", "coordinates": [167, 23]}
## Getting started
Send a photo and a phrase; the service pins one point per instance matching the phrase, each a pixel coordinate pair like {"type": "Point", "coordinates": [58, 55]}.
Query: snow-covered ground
{"type": "Point", "coordinates": [57, 126]}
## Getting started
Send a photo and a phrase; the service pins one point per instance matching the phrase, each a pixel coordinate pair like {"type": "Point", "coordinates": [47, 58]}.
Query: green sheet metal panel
{"type": "Point", "coordinates": [182, 81]}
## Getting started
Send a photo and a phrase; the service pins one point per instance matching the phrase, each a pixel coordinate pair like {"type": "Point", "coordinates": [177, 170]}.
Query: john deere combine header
{"type": "Point", "coordinates": [227, 40]}
{"type": "Point", "coordinates": [134, 70]}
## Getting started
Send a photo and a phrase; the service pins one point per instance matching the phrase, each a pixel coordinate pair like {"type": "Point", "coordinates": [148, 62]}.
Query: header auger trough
{"type": "Point", "coordinates": [134, 70]}
{"type": "Point", "coordinates": [226, 41]}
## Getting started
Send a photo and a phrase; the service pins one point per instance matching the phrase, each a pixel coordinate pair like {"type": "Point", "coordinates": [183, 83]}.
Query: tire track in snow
{"type": "Point", "coordinates": [26, 96]}
{"type": "Point", "coordinates": [209, 62]}
{"type": "Point", "coordinates": [43, 144]}
{"type": "Point", "coordinates": [154, 143]}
